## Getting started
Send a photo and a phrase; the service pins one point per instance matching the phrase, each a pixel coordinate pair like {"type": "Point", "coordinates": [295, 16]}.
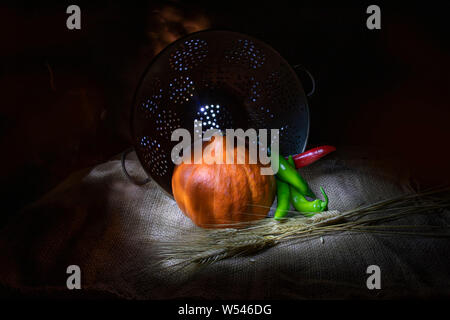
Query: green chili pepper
{"type": "Point", "coordinates": [301, 204]}
{"type": "Point", "coordinates": [291, 161]}
{"type": "Point", "coordinates": [304, 206]}
{"type": "Point", "coordinates": [283, 200]}
{"type": "Point", "coordinates": [290, 175]}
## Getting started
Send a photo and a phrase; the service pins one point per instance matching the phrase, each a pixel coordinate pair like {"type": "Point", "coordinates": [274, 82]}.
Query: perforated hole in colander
{"type": "Point", "coordinates": [166, 122]}
{"type": "Point", "coordinates": [154, 159]}
{"type": "Point", "coordinates": [255, 91]}
{"type": "Point", "coordinates": [189, 54]}
{"type": "Point", "coordinates": [210, 116]}
{"type": "Point", "coordinates": [181, 89]}
{"type": "Point", "coordinates": [151, 104]}
{"type": "Point", "coordinates": [245, 52]}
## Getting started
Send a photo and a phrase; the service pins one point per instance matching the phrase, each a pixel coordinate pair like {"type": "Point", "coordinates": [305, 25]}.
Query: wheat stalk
{"type": "Point", "coordinates": [207, 246]}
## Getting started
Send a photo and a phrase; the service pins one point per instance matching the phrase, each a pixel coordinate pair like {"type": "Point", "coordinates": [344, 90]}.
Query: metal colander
{"type": "Point", "coordinates": [223, 79]}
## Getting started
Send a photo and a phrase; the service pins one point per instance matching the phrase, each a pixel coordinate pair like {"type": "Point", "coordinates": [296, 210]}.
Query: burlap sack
{"type": "Point", "coordinates": [98, 220]}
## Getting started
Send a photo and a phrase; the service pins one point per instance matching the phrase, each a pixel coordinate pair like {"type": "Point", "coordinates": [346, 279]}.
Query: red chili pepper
{"type": "Point", "coordinates": [306, 158]}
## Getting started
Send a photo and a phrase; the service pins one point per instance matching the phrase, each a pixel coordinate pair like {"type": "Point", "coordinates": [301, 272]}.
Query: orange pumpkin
{"type": "Point", "coordinates": [217, 195]}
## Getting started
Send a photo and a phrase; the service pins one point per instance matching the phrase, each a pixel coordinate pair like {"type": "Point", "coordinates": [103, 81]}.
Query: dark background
{"type": "Point", "coordinates": [66, 94]}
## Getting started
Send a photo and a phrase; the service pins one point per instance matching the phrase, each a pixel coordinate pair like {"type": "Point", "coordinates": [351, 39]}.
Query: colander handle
{"type": "Point", "coordinates": [299, 67]}
{"type": "Point", "coordinates": [124, 169]}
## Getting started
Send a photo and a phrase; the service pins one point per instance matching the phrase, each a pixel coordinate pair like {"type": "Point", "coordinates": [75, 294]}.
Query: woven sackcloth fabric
{"type": "Point", "coordinates": [109, 227]}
